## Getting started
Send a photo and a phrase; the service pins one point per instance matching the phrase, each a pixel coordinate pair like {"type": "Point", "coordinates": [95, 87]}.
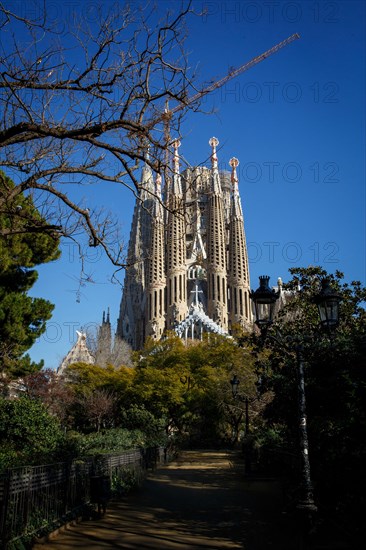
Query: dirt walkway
{"type": "Point", "coordinates": [202, 500]}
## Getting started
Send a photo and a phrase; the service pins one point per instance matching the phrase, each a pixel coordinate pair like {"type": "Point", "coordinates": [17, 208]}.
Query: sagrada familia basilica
{"type": "Point", "coordinates": [187, 257]}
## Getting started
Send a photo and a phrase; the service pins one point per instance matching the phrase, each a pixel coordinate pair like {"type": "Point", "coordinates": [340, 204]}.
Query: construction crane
{"type": "Point", "coordinates": [232, 74]}
{"type": "Point", "coordinates": [167, 115]}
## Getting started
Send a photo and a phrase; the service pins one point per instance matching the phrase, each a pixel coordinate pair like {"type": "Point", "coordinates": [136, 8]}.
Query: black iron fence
{"type": "Point", "coordinates": [33, 498]}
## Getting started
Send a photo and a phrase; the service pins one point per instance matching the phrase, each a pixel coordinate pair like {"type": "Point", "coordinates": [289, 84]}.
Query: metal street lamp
{"type": "Point", "coordinates": [245, 399]}
{"type": "Point", "coordinates": [234, 385]}
{"type": "Point", "coordinates": [234, 389]}
{"type": "Point", "coordinates": [264, 300]}
{"type": "Point", "coordinates": [328, 305]}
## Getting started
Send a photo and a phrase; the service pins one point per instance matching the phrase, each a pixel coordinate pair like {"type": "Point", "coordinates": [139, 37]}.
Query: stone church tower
{"type": "Point", "coordinates": [187, 263]}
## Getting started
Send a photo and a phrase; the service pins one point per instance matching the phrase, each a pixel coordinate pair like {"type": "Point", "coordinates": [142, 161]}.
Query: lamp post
{"type": "Point", "coordinates": [327, 300]}
{"type": "Point", "coordinates": [234, 388]}
{"type": "Point", "coordinates": [264, 300]}
{"type": "Point", "coordinates": [245, 399]}
{"type": "Point", "coordinates": [328, 306]}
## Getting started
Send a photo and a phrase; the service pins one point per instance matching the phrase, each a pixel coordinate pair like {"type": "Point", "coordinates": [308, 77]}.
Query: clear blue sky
{"type": "Point", "coordinates": [296, 122]}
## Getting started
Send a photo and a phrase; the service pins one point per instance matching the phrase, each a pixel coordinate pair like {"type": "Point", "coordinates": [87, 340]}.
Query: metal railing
{"type": "Point", "coordinates": [35, 497]}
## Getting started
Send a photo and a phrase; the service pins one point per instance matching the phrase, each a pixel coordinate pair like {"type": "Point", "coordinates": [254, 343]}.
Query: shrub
{"type": "Point", "coordinates": [28, 433]}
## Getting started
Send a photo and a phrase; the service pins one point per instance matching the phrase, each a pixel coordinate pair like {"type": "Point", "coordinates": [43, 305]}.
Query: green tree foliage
{"type": "Point", "coordinates": [99, 393]}
{"type": "Point", "coordinates": [176, 387]}
{"type": "Point", "coordinates": [138, 418]}
{"type": "Point", "coordinates": [189, 386]}
{"type": "Point", "coordinates": [84, 378]}
{"type": "Point", "coordinates": [22, 318]}
{"type": "Point", "coordinates": [335, 388]}
{"type": "Point", "coordinates": [114, 440]}
{"type": "Point", "coordinates": [28, 433]}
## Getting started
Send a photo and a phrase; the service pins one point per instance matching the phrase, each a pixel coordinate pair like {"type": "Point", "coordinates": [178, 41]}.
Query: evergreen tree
{"type": "Point", "coordinates": [28, 433]}
{"type": "Point", "coordinates": [22, 247]}
{"type": "Point", "coordinates": [335, 391]}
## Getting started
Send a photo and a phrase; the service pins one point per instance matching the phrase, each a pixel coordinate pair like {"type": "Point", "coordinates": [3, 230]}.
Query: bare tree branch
{"type": "Point", "coordinates": [79, 108]}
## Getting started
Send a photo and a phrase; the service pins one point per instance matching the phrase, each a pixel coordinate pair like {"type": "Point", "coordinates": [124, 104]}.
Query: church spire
{"type": "Point", "coordinates": [234, 163]}
{"type": "Point", "coordinates": [155, 313]}
{"type": "Point", "coordinates": [190, 242]}
{"type": "Point", "coordinates": [238, 272]}
{"type": "Point", "coordinates": [177, 186]}
{"type": "Point", "coordinates": [147, 181]}
{"type": "Point", "coordinates": [176, 249]}
{"type": "Point", "coordinates": [104, 341]}
{"type": "Point", "coordinates": [214, 143]}
{"type": "Point", "coordinates": [216, 247]}
{"type": "Point", "coordinates": [236, 204]}
{"type": "Point", "coordinates": [216, 185]}
{"type": "Point", "coordinates": [132, 318]}
{"type": "Point", "coordinates": [176, 145]}
{"type": "Point", "coordinates": [159, 201]}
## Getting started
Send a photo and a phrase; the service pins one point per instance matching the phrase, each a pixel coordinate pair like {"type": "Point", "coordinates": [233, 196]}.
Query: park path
{"type": "Point", "coordinates": [200, 501]}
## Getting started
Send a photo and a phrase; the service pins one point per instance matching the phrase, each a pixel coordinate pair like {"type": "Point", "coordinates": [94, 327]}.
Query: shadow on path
{"type": "Point", "coordinates": [202, 500]}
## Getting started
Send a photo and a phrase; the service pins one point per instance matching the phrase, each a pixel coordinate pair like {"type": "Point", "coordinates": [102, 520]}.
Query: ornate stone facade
{"type": "Point", "coordinates": [78, 353]}
{"type": "Point", "coordinates": [187, 263]}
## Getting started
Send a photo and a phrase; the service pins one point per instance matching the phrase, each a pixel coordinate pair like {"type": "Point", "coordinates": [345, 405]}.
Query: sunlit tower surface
{"type": "Point", "coordinates": [187, 266]}
{"type": "Point", "coordinates": [188, 263]}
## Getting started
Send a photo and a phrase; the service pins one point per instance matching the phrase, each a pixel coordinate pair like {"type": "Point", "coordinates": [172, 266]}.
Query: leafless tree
{"type": "Point", "coordinates": [108, 349]}
{"type": "Point", "coordinates": [98, 407]}
{"type": "Point", "coordinates": [51, 389]}
{"type": "Point", "coordinates": [121, 353]}
{"type": "Point", "coordinates": [81, 101]}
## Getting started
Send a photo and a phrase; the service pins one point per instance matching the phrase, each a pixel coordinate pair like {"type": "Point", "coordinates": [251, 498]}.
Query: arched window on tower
{"type": "Point", "coordinates": [196, 271]}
